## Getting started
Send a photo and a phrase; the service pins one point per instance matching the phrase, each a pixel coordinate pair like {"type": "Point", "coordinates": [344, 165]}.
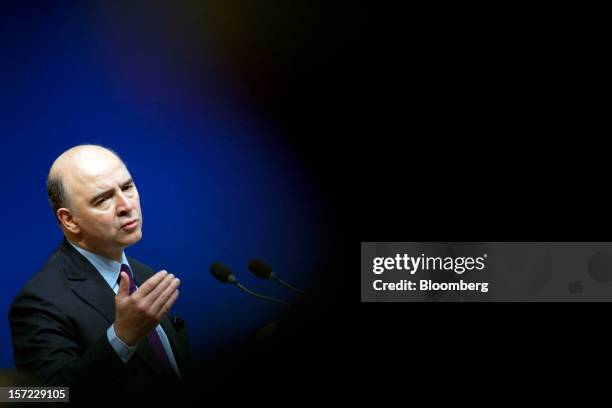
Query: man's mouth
{"type": "Point", "coordinates": [130, 225]}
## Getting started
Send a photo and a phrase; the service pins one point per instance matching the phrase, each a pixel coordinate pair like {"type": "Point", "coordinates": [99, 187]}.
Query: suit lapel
{"type": "Point", "coordinates": [98, 295]}
{"type": "Point", "coordinates": [87, 283]}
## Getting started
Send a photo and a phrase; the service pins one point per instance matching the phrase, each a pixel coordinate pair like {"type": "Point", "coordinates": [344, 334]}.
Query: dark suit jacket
{"type": "Point", "coordinates": [59, 322]}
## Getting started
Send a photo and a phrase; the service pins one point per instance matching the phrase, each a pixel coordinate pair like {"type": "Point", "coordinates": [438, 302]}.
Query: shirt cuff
{"type": "Point", "coordinates": [124, 351]}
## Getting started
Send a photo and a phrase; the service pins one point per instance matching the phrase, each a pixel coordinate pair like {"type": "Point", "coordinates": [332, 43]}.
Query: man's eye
{"type": "Point", "coordinates": [100, 201]}
{"type": "Point", "coordinates": [128, 187]}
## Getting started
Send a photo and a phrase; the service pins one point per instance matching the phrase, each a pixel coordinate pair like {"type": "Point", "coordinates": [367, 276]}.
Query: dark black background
{"type": "Point", "coordinates": [456, 124]}
{"type": "Point", "coordinates": [441, 124]}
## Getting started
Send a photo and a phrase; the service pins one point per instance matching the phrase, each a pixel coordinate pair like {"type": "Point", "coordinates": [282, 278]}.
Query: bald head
{"type": "Point", "coordinates": [73, 163]}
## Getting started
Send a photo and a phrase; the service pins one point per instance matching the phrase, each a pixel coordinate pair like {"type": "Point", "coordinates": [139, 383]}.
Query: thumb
{"type": "Point", "coordinates": [123, 286]}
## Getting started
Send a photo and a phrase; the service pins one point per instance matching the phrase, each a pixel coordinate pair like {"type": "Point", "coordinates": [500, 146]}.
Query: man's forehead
{"type": "Point", "coordinates": [98, 175]}
{"type": "Point", "coordinates": [109, 174]}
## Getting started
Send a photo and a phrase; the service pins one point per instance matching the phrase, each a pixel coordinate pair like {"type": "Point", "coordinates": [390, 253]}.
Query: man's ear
{"type": "Point", "coordinates": [67, 220]}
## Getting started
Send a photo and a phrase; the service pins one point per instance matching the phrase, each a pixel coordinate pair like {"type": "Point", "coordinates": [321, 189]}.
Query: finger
{"type": "Point", "coordinates": [124, 284]}
{"type": "Point", "coordinates": [151, 283]}
{"type": "Point", "coordinates": [152, 296]}
{"type": "Point", "coordinates": [166, 308]}
{"type": "Point", "coordinates": [165, 295]}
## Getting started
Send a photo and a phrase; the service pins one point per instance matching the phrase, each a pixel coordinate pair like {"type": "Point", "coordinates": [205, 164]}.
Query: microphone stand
{"type": "Point", "coordinates": [260, 296]}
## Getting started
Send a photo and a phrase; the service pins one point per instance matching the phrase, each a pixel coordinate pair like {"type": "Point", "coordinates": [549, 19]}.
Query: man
{"type": "Point", "coordinates": [92, 318]}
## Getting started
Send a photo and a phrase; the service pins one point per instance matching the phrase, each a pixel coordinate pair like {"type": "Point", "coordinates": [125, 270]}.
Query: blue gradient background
{"type": "Point", "coordinates": [217, 182]}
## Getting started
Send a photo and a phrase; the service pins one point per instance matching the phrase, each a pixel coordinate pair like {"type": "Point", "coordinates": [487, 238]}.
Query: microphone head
{"type": "Point", "coordinates": [222, 273]}
{"type": "Point", "coordinates": [260, 269]}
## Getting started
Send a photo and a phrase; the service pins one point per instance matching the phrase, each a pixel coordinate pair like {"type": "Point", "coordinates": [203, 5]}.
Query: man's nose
{"type": "Point", "coordinates": [124, 204]}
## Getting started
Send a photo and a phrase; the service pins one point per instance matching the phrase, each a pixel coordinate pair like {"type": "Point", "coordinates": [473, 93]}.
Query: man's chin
{"type": "Point", "coordinates": [132, 238]}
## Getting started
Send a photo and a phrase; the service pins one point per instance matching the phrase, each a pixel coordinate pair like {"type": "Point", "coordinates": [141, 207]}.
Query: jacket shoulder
{"type": "Point", "coordinates": [50, 280]}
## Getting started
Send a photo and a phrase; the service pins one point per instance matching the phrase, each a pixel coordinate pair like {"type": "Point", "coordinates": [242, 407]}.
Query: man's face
{"type": "Point", "coordinates": [105, 204]}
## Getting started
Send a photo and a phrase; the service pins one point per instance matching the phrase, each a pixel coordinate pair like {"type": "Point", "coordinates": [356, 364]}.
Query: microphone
{"type": "Point", "coordinates": [264, 271]}
{"type": "Point", "coordinates": [224, 274]}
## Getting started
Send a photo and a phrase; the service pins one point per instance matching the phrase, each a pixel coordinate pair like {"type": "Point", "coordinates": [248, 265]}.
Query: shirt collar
{"type": "Point", "coordinates": [108, 268]}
